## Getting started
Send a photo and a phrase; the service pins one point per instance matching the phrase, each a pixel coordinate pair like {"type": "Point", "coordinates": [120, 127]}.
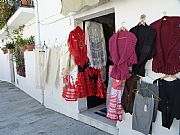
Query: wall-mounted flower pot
{"type": "Point", "coordinates": [30, 47]}
{"type": "Point", "coordinates": [25, 2]}
{"type": "Point", "coordinates": [22, 48]}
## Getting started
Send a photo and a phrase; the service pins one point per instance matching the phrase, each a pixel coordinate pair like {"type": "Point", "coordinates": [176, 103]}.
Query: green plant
{"type": "Point", "coordinates": [21, 42]}
{"type": "Point", "coordinates": [10, 45]}
{"type": "Point", "coordinates": [18, 57]}
{"type": "Point", "coordinates": [18, 33]}
{"type": "Point", "coordinates": [4, 49]}
{"type": "Point", "coordinates": [5, 12]}
{"type": "Point", "coordinates": [30, 40]}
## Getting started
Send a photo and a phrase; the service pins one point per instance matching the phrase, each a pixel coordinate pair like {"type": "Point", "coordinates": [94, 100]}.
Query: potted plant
{"type": "Point", "coordinates": [22, 44]}
{"type": "Point", "coordinates": [5, 50]}
{"type": "Point", "coordinates": [25, 2]}
{"type": "Point", "coordinates": [30, 43]}
{"type": "Point", "coordinates": [10, 46]}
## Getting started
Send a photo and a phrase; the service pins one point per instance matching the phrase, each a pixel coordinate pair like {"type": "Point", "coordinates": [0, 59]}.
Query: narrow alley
{"type": "Point", "coordinates": [22, 115]}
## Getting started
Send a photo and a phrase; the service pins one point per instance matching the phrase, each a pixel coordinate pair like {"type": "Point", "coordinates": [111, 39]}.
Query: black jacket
{"type": "Point", "coordinates": [145, 46]}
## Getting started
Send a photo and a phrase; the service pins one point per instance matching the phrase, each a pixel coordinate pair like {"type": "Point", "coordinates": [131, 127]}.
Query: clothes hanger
{"type": "Point", "coordinates": [142, 20]}
{"type": "Point", "coordinates": [164, 14]}
{"type": "Point", "coordinates": [156, 97]}
{"type": "Point", "coordinates": [166, 76]}
{"type": "Point", "coordinates": [122, 28]}
{"type": "Point", "coordinates": [56, 44]}
{"type": "Point", "coordinates": [44, 46]}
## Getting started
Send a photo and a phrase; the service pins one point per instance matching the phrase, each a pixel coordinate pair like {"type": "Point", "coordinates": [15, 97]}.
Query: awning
{"type": "Point", "coordinates": [77, 5]}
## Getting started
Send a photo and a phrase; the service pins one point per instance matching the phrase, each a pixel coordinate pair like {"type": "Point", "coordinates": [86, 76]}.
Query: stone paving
{"type": "Point", "coordinates": [22, 115]}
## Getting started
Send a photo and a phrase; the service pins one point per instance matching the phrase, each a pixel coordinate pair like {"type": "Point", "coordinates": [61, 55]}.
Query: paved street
{"type": "Point", "coordinates": [22, 115]}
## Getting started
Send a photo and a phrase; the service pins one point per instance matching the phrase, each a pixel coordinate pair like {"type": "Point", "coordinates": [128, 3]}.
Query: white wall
{"type": "Point", "coordinates": [52, 32]}
{"type": "Point", "coordinates": [27, 84]}
{"type": "Point", "coordinates": [5, 70]}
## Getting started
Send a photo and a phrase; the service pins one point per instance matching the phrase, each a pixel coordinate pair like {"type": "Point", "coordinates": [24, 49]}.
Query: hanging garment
{"type": "Point", "coordinates": [170, 99]}
{"type": "Point", "coordinates": [89, 83]}
{"type": "Point", "coordinates": [77, 46]}
{"type": "Point", "coordinates": [167, 58]}
{"type": "Point", "coordinates": [129, 94]}
{"type": "Point", "coordinates": [145, 47]}
{"type": "Point", "coordinates": [142, 114]}
{"type": "Point", "coordinates": [89, 80]}
{"type": "Point", "coordinates": [117, 84]}
{"type": "Point", "coordinates": [65, 65]}
{"type": "Point", "coordinates": [96, 46]}
{"type": "Point", "coordinates": [41, 57]}
{"type": "Point", "coordinates": [109, 87]}
{"type": "Point", "coordinates": [122, 53]}
{"type": "Point", "coordinates": [53, 64]}
{"type": "Point", "coordinates": [77, 5]}
{"type": "Point", "coordinates": [147, 90]}
{"type": "Point", "coordinates": [115, 110]}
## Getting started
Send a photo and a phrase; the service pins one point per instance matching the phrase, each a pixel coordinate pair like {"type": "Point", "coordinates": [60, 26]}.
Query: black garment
{"type": "Point", "coordinates": [145, 47]}
{"type": "Point", "coordinates": [169, 92]}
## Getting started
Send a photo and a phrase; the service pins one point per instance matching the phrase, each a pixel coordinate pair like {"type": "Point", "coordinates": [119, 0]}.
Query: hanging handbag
{"type": "Point", "coordinates": [68, 89]}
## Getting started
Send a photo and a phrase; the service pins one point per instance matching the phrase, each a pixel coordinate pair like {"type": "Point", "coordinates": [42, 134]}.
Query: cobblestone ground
{"type": "Point", "coordinates": [22, 115]}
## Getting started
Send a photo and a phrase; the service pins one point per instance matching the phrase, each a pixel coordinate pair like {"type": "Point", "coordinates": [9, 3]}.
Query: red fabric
{"type": "Point", "coordinates": [122, 53]}
{"type": "Point", "coordinates": [86, 86]}
{"type": "Point", "coordinates": [77, 46]}
{"type": "Point", "coordinates": [68, 89]}
{"type": "Point", "coordinates": [115, 110]}
{"type": "Point", "coordinates": [167, 58]}
{"type": "Point", "coordinates": [117, 84]}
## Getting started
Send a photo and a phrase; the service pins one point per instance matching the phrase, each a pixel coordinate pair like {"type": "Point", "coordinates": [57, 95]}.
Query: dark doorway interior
{"type": "Point", "coordinates": [108, 22]}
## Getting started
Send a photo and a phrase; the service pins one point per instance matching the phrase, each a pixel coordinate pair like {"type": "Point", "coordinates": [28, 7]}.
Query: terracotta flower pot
{"type": "Point", "coordinates": [30, 47]}
{"type": "Point", "coordinates": [22, 48]}
{"type": "Point", "coordinates": [24, 2]}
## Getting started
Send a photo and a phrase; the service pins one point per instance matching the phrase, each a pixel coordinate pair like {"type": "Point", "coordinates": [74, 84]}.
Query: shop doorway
{"type": "Point", "coordinates": [92, 109]}
{"type": "Point", "coordinates": [108, 23]}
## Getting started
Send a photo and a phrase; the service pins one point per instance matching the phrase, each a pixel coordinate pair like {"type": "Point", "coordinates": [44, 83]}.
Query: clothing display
{"type": "Point", "coordinates": [77, 5]}
{"type": "Point", "coordinates": [142, 114]}
{"type": "Point", "coordinates": [96, 46]}
{"type": "Point", "coordinates": [149, 90]}
{"type": "Point", "coordinates": [89, 80]}
{"type": "Point", "coordinates": [81, 68]}
{"type": "Point", "coordinates": [128, 96]}
{"type": "Point", "coordinates": [41, 59]}
{"type": "Point", "coordinates": [77, 46]}
{"type": "Point", "coordinates": [115, 110]}
{"type": "Point", "coordinates": [53, 63]}
{"type": "Point", "coordinates": [145, 47]}
{"type": "Point", "coordinates": [170, 98]}
{"type": "Point", "coordinates": [68, 89]}
{"type": "Point", "coordinates": [109, 87]}
{"type": "Point", "coordinates": [167, 55]}
{"type": "Point", "coordinates": [65, 65]}
{"type": "Point", "coordinates": [89, 83]}
{"type": "Point", "coordinates": [122, 53]}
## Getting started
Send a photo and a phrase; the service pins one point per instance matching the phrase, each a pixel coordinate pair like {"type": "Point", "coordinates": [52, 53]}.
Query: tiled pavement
{"type": "Point", "coordinates": [22, 115]}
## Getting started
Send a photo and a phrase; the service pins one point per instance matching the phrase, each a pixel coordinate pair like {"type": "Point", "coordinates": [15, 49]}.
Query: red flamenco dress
{"type": "Point", "coordinates": [89, 82]}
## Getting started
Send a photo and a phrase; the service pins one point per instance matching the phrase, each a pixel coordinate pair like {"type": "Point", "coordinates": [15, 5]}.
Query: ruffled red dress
{"type": "Point", "coordinates": [89, 82]}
